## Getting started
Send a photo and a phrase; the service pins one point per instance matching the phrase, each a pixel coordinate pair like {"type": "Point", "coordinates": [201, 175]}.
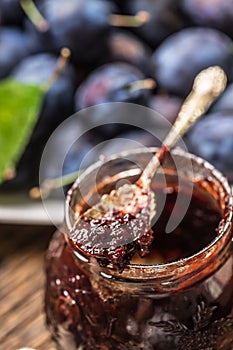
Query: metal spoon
{"type": "Point", "coordinates": [137, 199]}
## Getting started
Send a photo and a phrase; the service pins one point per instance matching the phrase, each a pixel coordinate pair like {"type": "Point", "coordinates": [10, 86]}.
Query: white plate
{"type": "Point", "coordinates": [19, 209]}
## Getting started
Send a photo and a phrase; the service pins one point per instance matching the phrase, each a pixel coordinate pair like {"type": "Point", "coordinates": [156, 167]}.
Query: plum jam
{"type": "Point", "coordinates": [179, 296]}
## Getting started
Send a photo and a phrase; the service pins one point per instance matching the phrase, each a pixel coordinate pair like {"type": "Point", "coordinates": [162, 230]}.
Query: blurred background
{"type": "Point", "coordinates": [58, 58]}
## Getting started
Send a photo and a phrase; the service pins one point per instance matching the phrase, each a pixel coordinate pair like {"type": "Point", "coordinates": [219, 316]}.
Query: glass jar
{"type": "Point", "coordinates": [180, 296]}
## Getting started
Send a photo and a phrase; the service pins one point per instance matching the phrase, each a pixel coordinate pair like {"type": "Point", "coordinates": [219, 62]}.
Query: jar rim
{"type": "Point", "coordinates": [179, 265]}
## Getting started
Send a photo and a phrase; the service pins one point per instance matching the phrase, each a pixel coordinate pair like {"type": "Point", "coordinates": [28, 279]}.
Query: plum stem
{"type": "Point", "coordinates": [116, 20]}
{"type": "Point", "coordinates": [9, 174]}
{"type": "Point", "coordinates": [34, 15]}
{"type": "Point", "coordinates": [148, 84]}
{"type": "Point", "coordinates": [137, 20]}
{"type": "Point", "coordinates": [60, 66]}
{"type": "Point", "coordinates": [48, 185]}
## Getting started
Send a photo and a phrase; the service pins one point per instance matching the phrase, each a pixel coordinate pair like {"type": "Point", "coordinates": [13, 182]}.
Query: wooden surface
{"type": "Point", "coordinates": [22, 321]}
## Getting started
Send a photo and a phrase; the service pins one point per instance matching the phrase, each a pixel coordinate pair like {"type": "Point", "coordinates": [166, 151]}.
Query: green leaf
{"type": "Point", "coordinates": [19, 110]}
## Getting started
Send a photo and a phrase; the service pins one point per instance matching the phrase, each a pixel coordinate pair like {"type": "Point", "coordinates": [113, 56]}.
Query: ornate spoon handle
{"type": "Point", "coordinates": [207, 86]}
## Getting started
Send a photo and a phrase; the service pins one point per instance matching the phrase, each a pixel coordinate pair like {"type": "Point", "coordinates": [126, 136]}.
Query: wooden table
{"type": "Point", "coordinates": [22, 320]}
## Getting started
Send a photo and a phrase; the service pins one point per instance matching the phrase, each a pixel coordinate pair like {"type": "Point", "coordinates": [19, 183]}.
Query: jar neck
{"type": "Point", "coordinates": [175, 275]}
